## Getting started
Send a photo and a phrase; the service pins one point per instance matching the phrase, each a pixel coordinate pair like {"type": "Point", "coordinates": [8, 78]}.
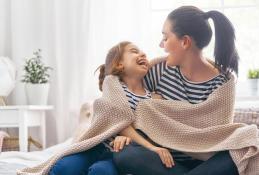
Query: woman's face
{"type": "Point", "coordinates": [171, 44]}
{"type": "Point", "coordinates": [134, 62]}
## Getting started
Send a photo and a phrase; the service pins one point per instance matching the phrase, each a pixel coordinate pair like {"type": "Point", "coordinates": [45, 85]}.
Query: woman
{"type": "Point", "coordinates": [187, 75]}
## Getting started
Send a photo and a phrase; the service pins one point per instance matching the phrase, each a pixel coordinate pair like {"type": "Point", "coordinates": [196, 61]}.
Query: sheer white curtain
{"type": "Point", "coordinates": [74, 36]}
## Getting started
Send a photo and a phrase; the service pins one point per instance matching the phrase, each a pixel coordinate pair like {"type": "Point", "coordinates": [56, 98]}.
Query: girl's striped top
{"type": "Point", "coordinates": [133, 99]}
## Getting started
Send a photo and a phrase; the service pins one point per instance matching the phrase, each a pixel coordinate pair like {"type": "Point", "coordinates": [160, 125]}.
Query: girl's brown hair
{"type": "Point", "coordinates": [112, 61]}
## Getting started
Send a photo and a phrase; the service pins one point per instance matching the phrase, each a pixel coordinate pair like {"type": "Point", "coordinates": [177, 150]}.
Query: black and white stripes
{"type": "Point", "coordinates": [133, 99]}
{"type": "Point", "coordinates": [171, 84]}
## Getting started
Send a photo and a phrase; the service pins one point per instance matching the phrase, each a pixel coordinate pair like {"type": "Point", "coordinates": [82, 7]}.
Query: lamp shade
{"type": "Point", "coordinates": [7, 76]}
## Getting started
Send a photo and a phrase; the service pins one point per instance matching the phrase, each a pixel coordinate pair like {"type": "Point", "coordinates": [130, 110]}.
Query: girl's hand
{"type": "Point", "coordinates": [164, 155]}
{"type": "Point", "coordinates": [119, 142]}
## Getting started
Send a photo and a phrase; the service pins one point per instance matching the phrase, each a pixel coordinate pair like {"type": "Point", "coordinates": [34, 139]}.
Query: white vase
{"type": "Point", "coordinates": [37, 94]}
{"type": "Point", "coordinates": [254, 86]}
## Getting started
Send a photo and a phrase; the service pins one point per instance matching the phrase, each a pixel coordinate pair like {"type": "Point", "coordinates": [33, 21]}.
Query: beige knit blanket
{"type": "Point", "coordinates": [195, 128]}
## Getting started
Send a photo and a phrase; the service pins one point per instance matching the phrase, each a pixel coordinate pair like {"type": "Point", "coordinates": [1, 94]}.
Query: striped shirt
{"type": "Point", "coordinates": [133, 99]}
{"type": "Point", "coordinates": [169, 82]}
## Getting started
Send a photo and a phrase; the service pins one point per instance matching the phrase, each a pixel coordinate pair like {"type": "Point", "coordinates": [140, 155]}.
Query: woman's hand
{"type": "Point", "coordinates": [164, 155]}
{"type": "Point", "coordinates": [119, 142]}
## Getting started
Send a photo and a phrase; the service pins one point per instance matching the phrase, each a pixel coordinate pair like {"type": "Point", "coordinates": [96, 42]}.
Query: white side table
{"type": "Point", "coordinates": [24, 117]}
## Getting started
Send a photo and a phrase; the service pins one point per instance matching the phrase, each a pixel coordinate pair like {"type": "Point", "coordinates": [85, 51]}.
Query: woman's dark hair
{"type": "Point", "coordinates": [191, 21]}
{"type": "Point", "coordinates": [113, 58]}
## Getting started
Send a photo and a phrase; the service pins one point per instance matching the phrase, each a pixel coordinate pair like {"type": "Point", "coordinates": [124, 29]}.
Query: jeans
{"type": "Point", "coordinates": [137, 160]}
{"type": "Point", "coordinates": [220, 163]}
{"type": "Point", "coordinates": [96, 161]}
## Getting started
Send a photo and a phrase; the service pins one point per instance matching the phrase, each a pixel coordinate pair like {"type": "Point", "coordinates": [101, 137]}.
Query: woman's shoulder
{"type": "Point", "coordinates": [219, 79]}
{"type": "Point", "coordinates": [216, 72]}
{"type": "Point", "coordinates": [160, 65]}
{"type": "Point", "coordinates": [157, 60]}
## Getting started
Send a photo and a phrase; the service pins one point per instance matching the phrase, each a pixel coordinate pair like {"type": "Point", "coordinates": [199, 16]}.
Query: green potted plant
{"type": "Point", "coordinates": [253, 78]}
{"type": "Point", "coordinates": [36, 79]}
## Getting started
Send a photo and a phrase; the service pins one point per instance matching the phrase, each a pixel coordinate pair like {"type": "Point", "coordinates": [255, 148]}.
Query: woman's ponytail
{"type": "Point", "coordinates": [226, 56]}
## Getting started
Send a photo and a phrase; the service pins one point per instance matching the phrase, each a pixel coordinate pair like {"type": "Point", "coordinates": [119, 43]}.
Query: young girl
{"type": "Point", "coordinates": [130, 65]}
{"type": "Point", "coordinates": [126, 61]}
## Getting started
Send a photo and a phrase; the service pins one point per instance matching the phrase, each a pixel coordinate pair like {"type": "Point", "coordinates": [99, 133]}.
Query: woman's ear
{"type": "Point", "coordinates": [186, 41]}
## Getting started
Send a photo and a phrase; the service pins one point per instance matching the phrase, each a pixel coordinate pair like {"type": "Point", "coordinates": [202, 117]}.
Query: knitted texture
{"type": "Point", "coordinates": [202, 128]}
